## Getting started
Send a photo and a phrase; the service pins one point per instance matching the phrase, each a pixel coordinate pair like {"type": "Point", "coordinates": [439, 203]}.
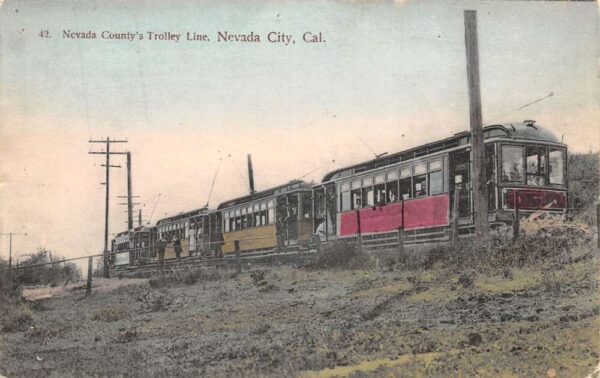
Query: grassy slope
{"type": "Point", "coordinates": [323, 323]}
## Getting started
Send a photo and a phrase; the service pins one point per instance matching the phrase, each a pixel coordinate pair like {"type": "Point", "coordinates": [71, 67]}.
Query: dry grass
{"type": "Point", "coordinates": [189, 277]}
{"type": "Point", "coordinates": [341, 255]}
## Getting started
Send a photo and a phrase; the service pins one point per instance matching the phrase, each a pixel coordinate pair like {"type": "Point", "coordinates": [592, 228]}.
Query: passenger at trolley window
{"type": "Point", "coordinates": [512, 163]}
{"type": "Point", "coordinates": [536, 165]}
{"type": "Point", "coordinates": [263, 214]}
{"type": "Point", "coordinates": [271, 212]}
{"type": "Point", "coordinates": [367, 191]}
{"type": "Point", "coordinates": [392, 186]}
{"type": "Point", "coordinates": [420, 180]}
{"type": "Point", "coordinates": [380, 197]}
{"type": "Point", "coordinates": [356, 194]}
{"type": "Point", "coordinates": [405, 183]}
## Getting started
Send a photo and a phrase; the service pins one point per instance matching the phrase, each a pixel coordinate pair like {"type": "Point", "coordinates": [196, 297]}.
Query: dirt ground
{"type": "Point", "coordinates": [290, 321]}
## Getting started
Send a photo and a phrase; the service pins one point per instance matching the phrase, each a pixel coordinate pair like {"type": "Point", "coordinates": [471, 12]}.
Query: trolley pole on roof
{"type": "Point", "coordinates": [107, 152]}
{"type": "Point", "coordinates": [251, 175]}
{"type": "Point", "coordinates": [477, 146]}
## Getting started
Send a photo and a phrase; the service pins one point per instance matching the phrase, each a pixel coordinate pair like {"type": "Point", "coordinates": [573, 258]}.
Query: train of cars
{"type": "Point", "coordinates": [526, 166]}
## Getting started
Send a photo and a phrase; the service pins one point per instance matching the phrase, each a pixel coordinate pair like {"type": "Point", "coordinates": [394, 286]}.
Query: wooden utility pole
{"type": "Point", "coordinates": [480, 210]}
{"type": "Point", "coordinates": [129, 195]}
{"type": "Point", "coordinates": [107, 152]}
{"type": "Point", "coordinates": [10, 237]}
{"type": "Point", "coordinates": [129, 198]}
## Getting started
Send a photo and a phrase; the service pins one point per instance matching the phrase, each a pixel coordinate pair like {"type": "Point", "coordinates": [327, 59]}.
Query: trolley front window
{"type": "Point", "coordinates": [536, 165]}
{"type": "Point", "coordinates": [512, 163]}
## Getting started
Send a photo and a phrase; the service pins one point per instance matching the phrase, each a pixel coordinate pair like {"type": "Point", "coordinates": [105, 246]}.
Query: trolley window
{"type": "Point", "coordinates": [536, 165]}
{"type": "Point", "coordinates": [512, 163]}
{"type": "Point", "coordinates": [405, 172]}
{"type": "Point", "coordinates": [380, 197]}
{"type": "Point", "coordinates": [556, 160]}
{"type": "Point", "coordinates": [405, 188]}
{"type": "Point", "coordinates": [436, 178]}
{"type": "Point", "coordinates": [367, 192]}
{"type": "Point", "coordinates": [345, 196]}
{"type": "Point", "coordinates": [436, 182]}
{"type": "Point", "coordinates": [356, 198]}
{"type": "Point", "coordinates": [271, 216]}
{"type": "Point", "coordinates": [392, 186]}
{"type": "Point", "coordinates": [420, 169]}
{"type": "Point", "coordinates": [420, 185]}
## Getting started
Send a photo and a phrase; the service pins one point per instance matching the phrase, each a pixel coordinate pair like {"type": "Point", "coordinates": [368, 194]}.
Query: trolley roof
{"type": "Point", "coordinates": [291, 186]}
{"type": "Point", "coordinates": [184, 215]}
{"type": "Point", "coordinates": [516, 130]}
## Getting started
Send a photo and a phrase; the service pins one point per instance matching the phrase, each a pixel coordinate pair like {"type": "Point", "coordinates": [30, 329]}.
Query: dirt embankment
{"type": "Point", "coordinates": [427, 318]}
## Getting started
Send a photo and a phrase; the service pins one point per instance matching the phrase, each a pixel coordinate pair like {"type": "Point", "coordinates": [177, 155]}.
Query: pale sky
{"type": "Point", "coordinates": [394, 73]}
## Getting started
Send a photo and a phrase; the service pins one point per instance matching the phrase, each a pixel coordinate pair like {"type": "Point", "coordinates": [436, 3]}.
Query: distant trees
{"type": "Point", "coordinates": [584, 183]}
{"type": "Point", "coordinates": [51, 274]}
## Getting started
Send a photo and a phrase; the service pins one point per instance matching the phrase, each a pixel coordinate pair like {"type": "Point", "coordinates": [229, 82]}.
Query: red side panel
{"type": "Point", "coordinates": [536, 199]}
{"type": "Point", "coordinates": [348, 223]}
{"type": "Point", "coordinates": [380, 219]}
{"type": "Point", "coordinates": [421, 212]}
{"type": "Point", "coordinates": [427, 212]}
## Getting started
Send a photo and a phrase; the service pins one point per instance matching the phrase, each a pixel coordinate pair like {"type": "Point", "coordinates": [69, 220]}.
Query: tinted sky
{"type": "Point", "coordinates": [392, 73]}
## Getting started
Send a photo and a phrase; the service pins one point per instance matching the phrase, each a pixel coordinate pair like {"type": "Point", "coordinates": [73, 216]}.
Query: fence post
{"type": "Point", "coordinates": [318, 243]}
{"type": "Point", "coordinates": [238, 257]}
{"type": "Point", "coordinates": [400, 241]}
{"type": "Point", "coordinates": [455, 205]}
{"type": "Point", "coordinates": [516, 221]}
{"type": "Point", "coordinates": [88, 288]}
{"type": "Point", "coordinates": [598, 223]}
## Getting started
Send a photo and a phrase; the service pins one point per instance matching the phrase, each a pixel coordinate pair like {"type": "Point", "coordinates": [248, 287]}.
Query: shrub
{"type": "Point", "coordinates": [188, 277]}
{"type": "Point", "coordinates": [15, 315]}
{"type": "Point", "coordinates": [341, 255]}
{"type": "Point", "coordinates": [110, 314]}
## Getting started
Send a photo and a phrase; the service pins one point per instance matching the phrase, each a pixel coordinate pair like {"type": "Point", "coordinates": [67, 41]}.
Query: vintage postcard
{"type": "Point", "coordinates": [291, 188]}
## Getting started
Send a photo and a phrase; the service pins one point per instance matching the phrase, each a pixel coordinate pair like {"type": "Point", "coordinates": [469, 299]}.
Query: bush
{"type": "Point", "coordinates": [51, 274]}
{"type": "Point", "coordinates": [188, 277]}
{"type": "Point", "coordinates": [110, 314]}
{"type": "Point", "coordinates": [584, 183]}
{"type": "Point", "coordinates": [544, 240]}
{"type": "Point", "coordinates": [341, 255]}
{"type": "Point", "coordinates": [15, 315]}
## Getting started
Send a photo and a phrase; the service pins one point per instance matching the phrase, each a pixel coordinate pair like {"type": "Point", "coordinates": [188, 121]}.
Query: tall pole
{"type": "Point", "coordinates": [10, 251]}
{"type": "Point", "coordinates": [479, 186]}
{"type": "Point", "coordinates": [107, 183]}
{"type": "Point", "coordinates": [129, 195]}
{"type": "Point", "coordinates": [107, 141]}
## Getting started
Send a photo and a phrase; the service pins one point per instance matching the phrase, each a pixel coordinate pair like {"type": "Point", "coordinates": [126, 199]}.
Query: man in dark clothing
{"type": "Point", "coordinates": [161, 254]}
{"type": "Point", "coordinates": [219, 246]}
{"type": "Point", "coordinates": [177, 247]}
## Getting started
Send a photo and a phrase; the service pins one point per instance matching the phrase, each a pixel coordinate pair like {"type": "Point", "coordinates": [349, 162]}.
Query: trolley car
{"type": "Point", "coordinates": [271, 218]}
{"type": "Point", "coordinates": [414, 189]}
{"type": "Point", "coordinates": [420, 190]}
